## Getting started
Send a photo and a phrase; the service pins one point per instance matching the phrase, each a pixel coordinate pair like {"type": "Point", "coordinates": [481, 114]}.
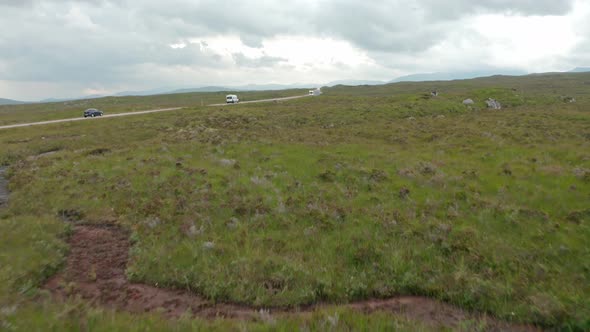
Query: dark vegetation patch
{"type": "Point", "coordinates": [98, 151]}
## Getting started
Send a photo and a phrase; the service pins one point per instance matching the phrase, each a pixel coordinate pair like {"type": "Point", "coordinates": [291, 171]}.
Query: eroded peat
{"type": "Point", "coordinates": [95, 271]}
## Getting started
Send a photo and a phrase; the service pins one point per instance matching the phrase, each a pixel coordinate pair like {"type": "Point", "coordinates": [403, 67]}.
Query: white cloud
{"type": "Point", "coordinates": [78, 46]}
{"type": "Point", "coordinates": [533, 43]}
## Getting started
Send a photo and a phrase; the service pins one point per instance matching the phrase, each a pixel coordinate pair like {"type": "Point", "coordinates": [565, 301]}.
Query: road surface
{"type": "Point", "coordinates": [136, 113]}
{"type": "Point", "coordinates": [261, 100]}
{"type": "Point", "coordinates": [86, 119]}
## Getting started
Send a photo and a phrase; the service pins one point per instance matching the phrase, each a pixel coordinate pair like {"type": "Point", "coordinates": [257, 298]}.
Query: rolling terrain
{"type": "Point", "coordinates": [355, 210]}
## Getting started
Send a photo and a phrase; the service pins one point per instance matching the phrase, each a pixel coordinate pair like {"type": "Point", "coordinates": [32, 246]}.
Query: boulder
{"type": "Point", "coordinates": [468, 102]}
{"type": "Point", "coordinates": [568, 99]}
{"type": "Point", "coordinates": [493, 104]}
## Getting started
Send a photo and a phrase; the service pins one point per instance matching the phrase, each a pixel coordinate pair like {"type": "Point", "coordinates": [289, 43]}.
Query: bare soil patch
{"type": "Point", "coordinates": [95, 271]}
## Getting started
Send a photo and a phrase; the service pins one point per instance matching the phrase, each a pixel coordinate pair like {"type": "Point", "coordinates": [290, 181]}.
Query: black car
{"type": "Point", "coordinates": [92, 112]}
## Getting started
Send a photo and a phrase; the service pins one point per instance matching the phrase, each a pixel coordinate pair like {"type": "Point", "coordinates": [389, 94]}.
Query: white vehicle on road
{"type": "Point", "coordinates": [232, 99]}
{"type": "Point", "coordinates": [315, 92]}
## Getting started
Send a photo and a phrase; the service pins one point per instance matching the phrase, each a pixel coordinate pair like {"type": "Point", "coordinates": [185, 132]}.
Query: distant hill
{"type": "Point", "coordinates": [10, 102]}
{"type": "Point", "coordinates": [250, 87]}
{"type": "Point", "coordinates": [59, 100]}
{"type": "Point", "coordinates": [421, 77]}
{"type": "Point", "coordinates": [580, 70]}
{"type": "Point", "coordinates": [354, 82]}
{"type": "Point", "coordinates": [144, 93]}
{"type": "Point", "coordinates": [201, 89]}
{"type": "Point", "coordinates": [449, 76]}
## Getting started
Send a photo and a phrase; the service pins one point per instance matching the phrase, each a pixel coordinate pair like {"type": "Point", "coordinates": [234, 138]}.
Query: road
{"type": "Point", "coordinates": [88, 119]}
{"type": "Point", "coordinates": [136, 113]}
{"type": "Point", "coordinates": [261, 100]}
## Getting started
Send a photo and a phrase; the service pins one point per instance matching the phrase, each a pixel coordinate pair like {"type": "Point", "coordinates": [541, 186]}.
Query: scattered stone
{"type": "Point", "coordinates": [493, 104]}
{"type": "Point", "coordinates": [404, 193]}
{"type": "Point", "coordinates": [208, 245]}
{"type": "Point", "coordinates": [194, 231]}
{"type": "Point", "coordinates": [259, 181]}
{"type": "Point", "coordinates": [233, 222]}
{"type": "Point", "coordinates": [468, 102]}
{"type": "Point", "coordinates": [228, 162]}
{"type": "Point", "coordinates": [8, 311]}
{"type": "Point", "coordinates": [582, 173]}
{"type": "Point", "coordinates": [426, 168]}
{"type": "Point", "coordinates": [411, 118]}
{"type": "Point", "coordinates": [152, 222]}
{"type": "Point", "coordinates": [333, 320]}
{"type": "Point", "coordinates": [266, 316]}
{"type": "Point", "coordinates": [445, 228]}
{"type": "Point", "coordinates": [70, 215]}
{"type": "Point", "coordinates": [568, 99]}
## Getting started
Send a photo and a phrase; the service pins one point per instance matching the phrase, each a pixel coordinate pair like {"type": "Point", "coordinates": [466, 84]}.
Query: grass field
{"type": "Point", "coordinates": [364, 192]}
{"type": "Point", "coordinates": [24, 113]}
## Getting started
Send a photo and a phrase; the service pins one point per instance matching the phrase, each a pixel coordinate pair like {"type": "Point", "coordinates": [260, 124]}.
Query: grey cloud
{"type": "Point", "coordinates": [264, 61]}
{"type": "Point", "coordinates": [112, 40]}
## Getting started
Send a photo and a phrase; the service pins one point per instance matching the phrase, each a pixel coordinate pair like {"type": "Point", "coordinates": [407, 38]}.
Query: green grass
{"type": "Point", "coordinates": [14, 114]}
{"type": "Point", "coordinates": [364, 192]}
{"type": "Point", "coordinates": [78, 316]}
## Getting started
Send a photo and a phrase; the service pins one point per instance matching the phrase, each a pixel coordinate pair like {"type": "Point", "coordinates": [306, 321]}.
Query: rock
{"type": "Point", "coordinates": [568, 99]}
{"type": "Point", "coordinates": [468, 102]}
{"type": "Point", "coordinates": [227, 162]}
{"type": "Point", "coordinates": [152, 222]}
{"type": "Point", "coordinates": [208, 245]}
{"type": "Point", "coordinates": [493, 104]}
{"type": "Point", "coordinates": [404, 193]}
{"type": "Point", "coordinates": [582, 173]}
{"type": "Point", "coordinates": [233, 223]}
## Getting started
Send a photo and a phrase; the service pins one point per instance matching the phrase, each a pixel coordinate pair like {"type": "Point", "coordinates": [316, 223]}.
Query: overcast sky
{"type": "Point", "coordinates": [70, 48]}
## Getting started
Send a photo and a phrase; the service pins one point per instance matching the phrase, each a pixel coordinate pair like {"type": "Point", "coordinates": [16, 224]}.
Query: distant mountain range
{"type": "Point", "coordinates": [10, 102]}
{"type": "Point", "coordinates": [456, 75]}
{"type": "Point", "coordinates": [445, 76]}
{"type": "Point", "coordinates": [580, 70]}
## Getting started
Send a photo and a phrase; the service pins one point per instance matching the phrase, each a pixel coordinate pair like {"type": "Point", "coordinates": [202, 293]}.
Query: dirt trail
{"type": "Point", "coordinates": [3, 187]}
{"type": "Point", "coordinates": [95, 270]}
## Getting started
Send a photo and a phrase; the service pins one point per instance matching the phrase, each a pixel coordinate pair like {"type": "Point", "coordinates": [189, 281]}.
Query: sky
{"type": "Point", "coordinates": [72, 48]}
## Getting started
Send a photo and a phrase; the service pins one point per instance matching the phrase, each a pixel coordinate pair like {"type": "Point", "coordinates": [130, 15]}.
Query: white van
{"type": "Point", "coordinates": [315, 92]}
{"type": "Point", "coordinates": [232, 99]}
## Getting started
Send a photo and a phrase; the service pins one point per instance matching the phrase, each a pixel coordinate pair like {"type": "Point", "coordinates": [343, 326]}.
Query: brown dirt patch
{"type": "Point", "coordinates": [95, 271]}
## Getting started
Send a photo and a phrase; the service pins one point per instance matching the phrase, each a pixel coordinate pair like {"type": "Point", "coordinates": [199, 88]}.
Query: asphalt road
{"type": "Point", "coordinates": [88, 119]}
{"type": "Point", "coordinates": [137, 113]}
{"type": "Point", "coordinates": [260, 101]}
